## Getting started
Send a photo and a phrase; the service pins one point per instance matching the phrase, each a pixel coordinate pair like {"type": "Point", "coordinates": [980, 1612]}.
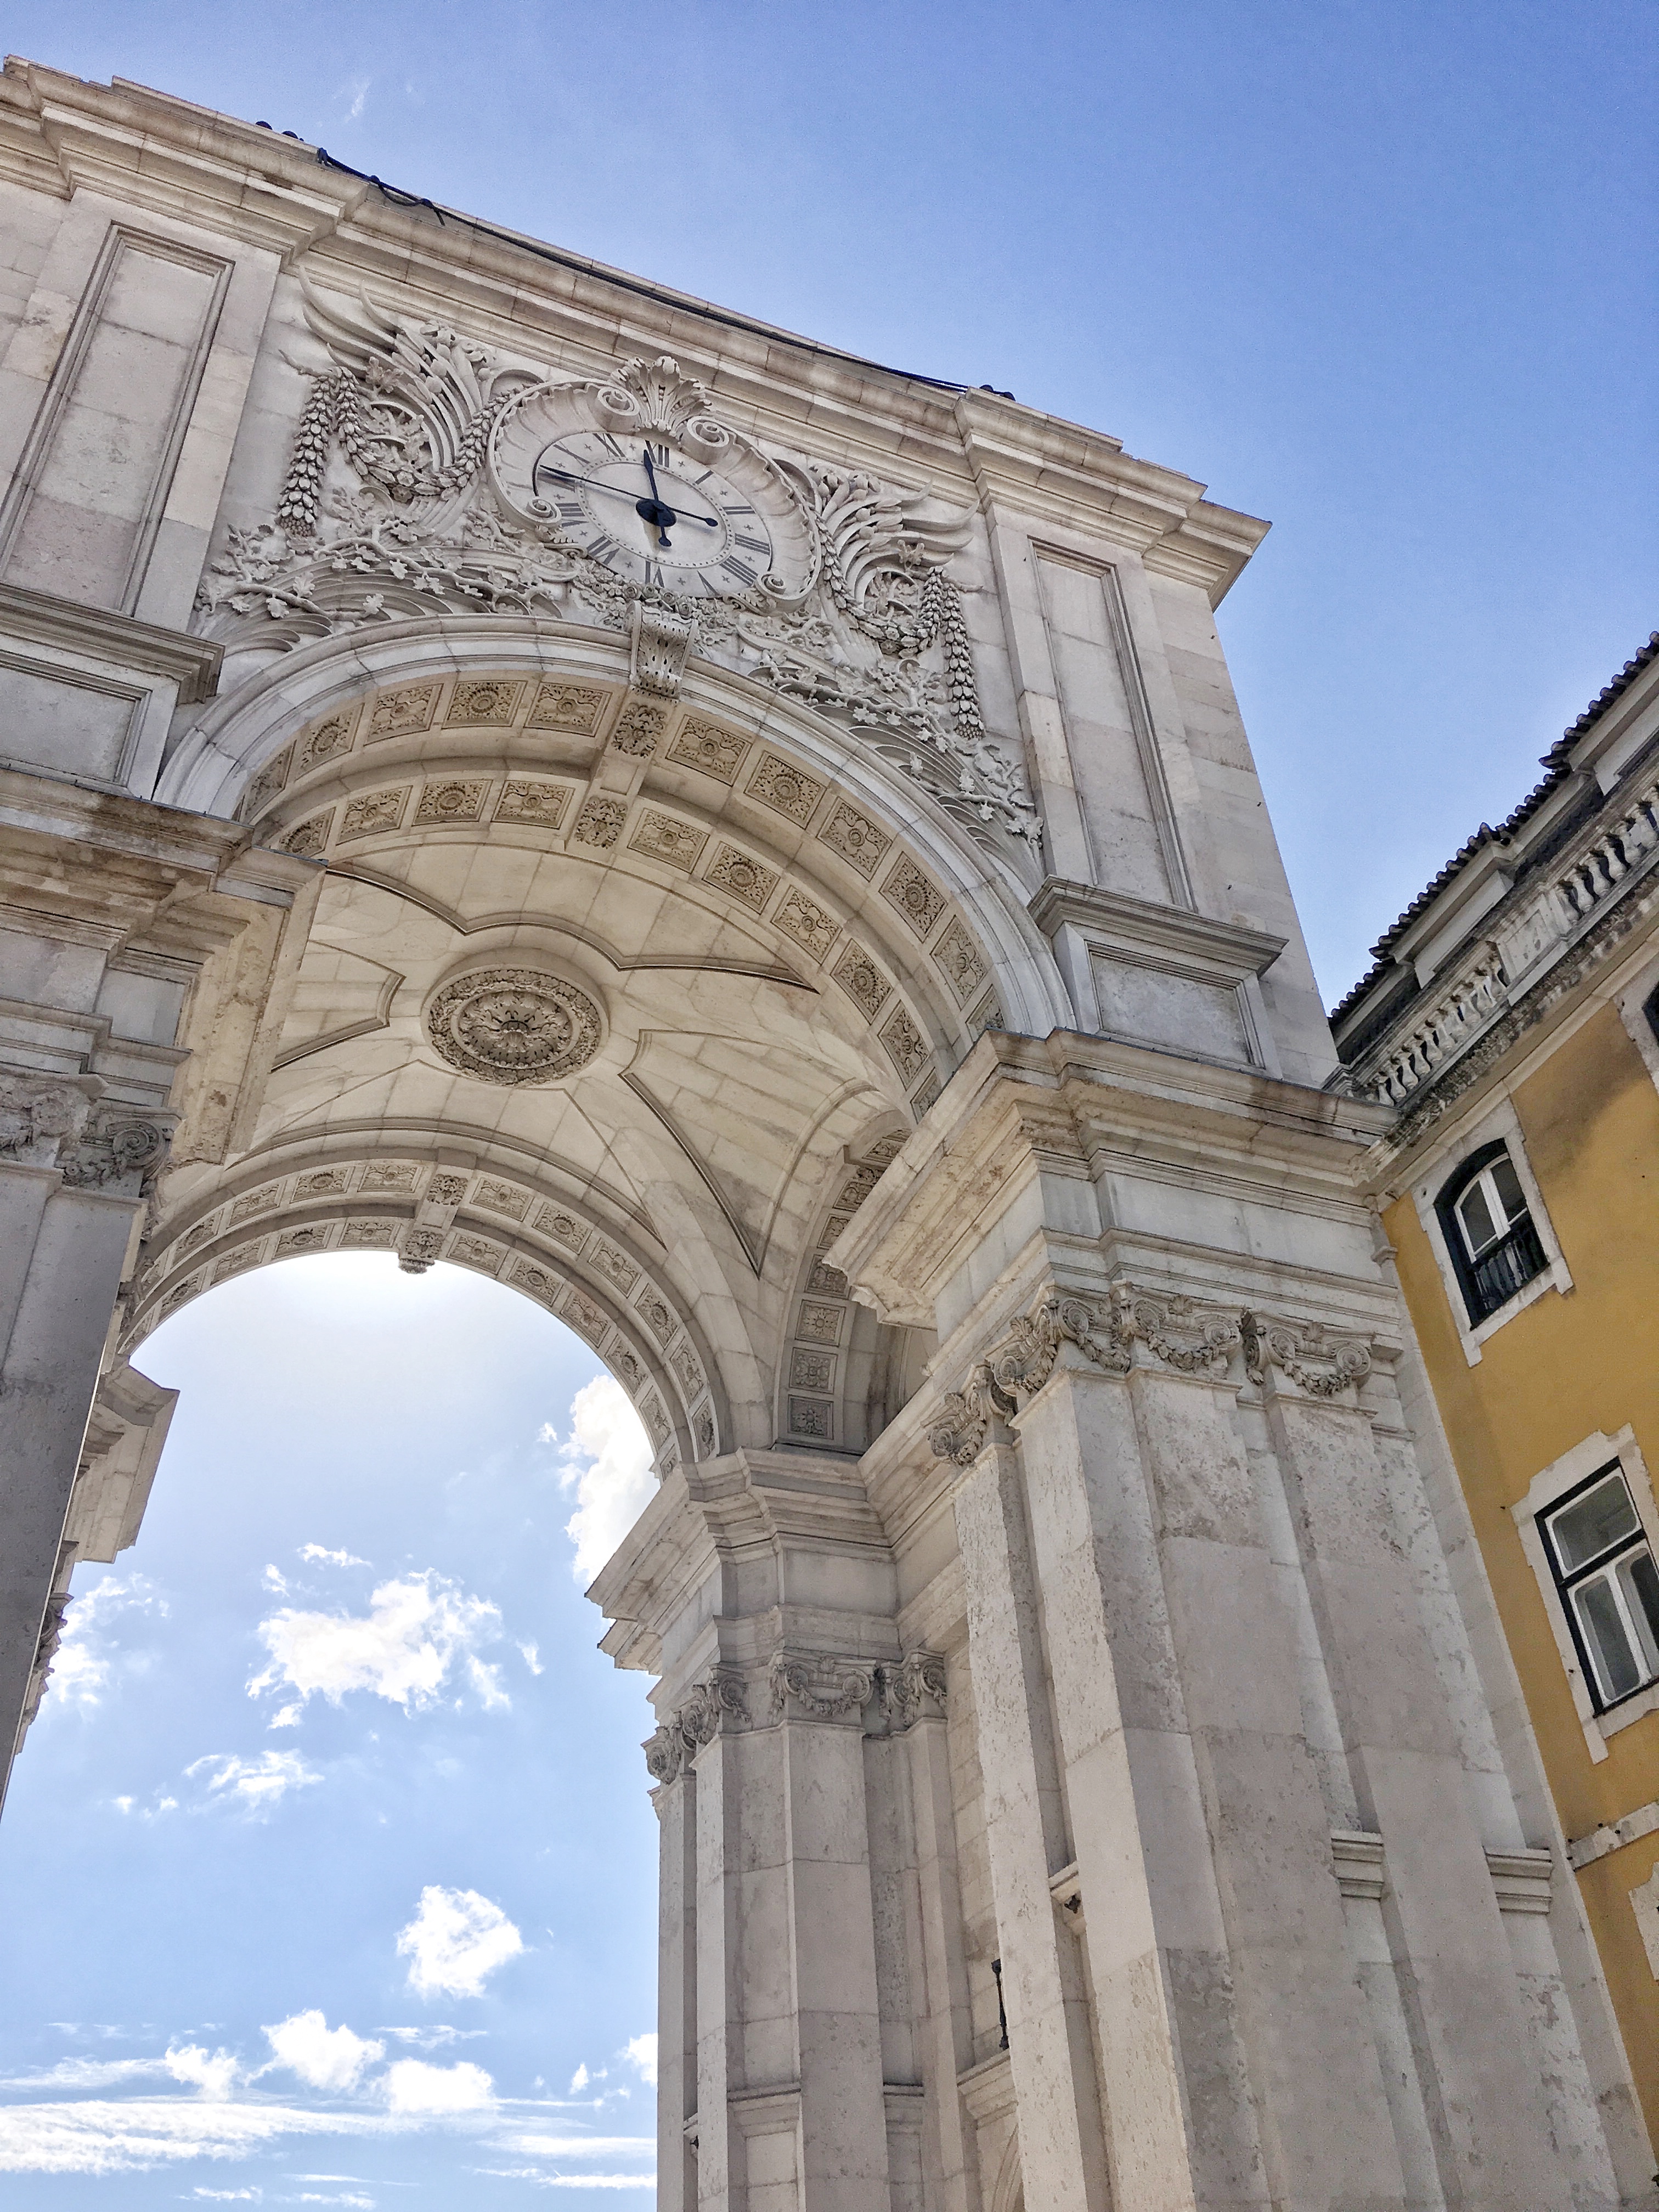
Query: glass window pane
{"type": "Point", "coordinates": [1508, 1184]}
{"type": "Point", "coordinates": [1592, 1524]}
{"type": "Point", "coordinates": [1641, 1583]}
{"type": "Point", "coordinates": [1476, 1216]}
{"type": "Point", "coordinates": [1604, 1632]}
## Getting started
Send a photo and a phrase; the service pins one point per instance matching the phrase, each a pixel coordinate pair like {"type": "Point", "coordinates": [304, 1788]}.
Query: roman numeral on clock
{"type": "Point", "coordinates": [740, 569]}
{"type": "Point", "coordinates": [611, 445]}
{"type": "Point", "coordinates": [753, 544]}
{"type": "Point", "coordinates": [603, 546]}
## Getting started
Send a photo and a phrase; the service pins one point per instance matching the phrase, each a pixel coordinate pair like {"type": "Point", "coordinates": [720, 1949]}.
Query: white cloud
{"type": "Point", "coordinates": [83, 1664]}
{"type": "Point", "coordinates": [579, 2080]}
{"type": "Point", "coordinates": [413, 2086]}
{"type": "Point", "coordinates": [608, 1464]}
{"type": "Point", "coordinates": [85, 2074]}
{"type": "Point", "coordinates": [96, 2136]}
{"type": "Point", "coordinates": [532, 2145]}
{"type": "Point", "coordinates": [323, 2057]}
{"type": "Point", "coordinates": [416, 1628]}
{"type": "Point", "coordinates": [213, 2075]}
{"type": "Point", "coordinates": [438, 2037]}
{"type": "Point", "coordinates": [641, 2052]}
{"type": "Point", "coordinates": [532, 1655]}
{"type": "Point", "coordinates": [256, 1785]}
{"type": "Point", "coordinates": [319, 1555]}
{"type": "Point", "coordinates": [200, 2196]}
{"type": "Point", "coordinates": [455, 1940]}
{"type": "Point", "coordinates": [275, 1580]}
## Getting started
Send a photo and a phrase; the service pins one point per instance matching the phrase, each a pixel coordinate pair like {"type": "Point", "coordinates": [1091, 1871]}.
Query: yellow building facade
{"type": "Point", "coordinates": [1512, 1018]}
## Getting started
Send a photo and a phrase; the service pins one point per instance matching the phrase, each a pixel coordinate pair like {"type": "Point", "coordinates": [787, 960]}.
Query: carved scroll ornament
{"type": "Point", "coordinates": [1179, 1332]}
{"type": "Point", "coordinates": [1313, 1357]}
{"type": "Point", "coordinates": [390, 510]}
{"type": "Point", "coordinates": [703, 1716]}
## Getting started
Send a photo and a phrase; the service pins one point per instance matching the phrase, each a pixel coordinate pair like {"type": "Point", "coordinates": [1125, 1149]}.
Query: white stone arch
{"type": "Point", "coordinates": [421, 1202]}
{"type": "Point", "coordinates": [987, 885]}
{"type": "Point", "coordinates": [419, 759]}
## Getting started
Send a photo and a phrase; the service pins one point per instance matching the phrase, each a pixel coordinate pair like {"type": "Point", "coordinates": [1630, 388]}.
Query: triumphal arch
{"type": "Point", "coordinates": [507, 766]}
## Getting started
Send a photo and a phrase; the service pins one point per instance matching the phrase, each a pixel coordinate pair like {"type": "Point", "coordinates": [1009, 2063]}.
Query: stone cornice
{"type": "Point", "coordinates": [1076, 479]}
{"type": "Point", "coordinates": [711, 1517]}
{"type": "Point", "coordinates": [1225, 949]}
{"type": "Point", "coordinates": [1066, 1106]}
{"type": "Point", "coordinates": [158, 867]}
{"type": "Point", "coordinates": [192, 663]}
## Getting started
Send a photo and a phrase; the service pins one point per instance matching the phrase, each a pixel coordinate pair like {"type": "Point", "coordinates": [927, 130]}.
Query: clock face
{"type": "Point", "coordinates": [699, 511]}
{"type": "Point", "coordinates": [653, 512]}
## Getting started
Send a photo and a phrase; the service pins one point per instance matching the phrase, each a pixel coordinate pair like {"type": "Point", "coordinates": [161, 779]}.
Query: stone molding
{"type": "Point", "coordinates": [882, 1696]}
{"type": "Point", "coordinates": [1521, 1880]}
{"type": "Point", "coordinates": [1224, 951]}
{"type": "Point", "coordinates": [1189, 1335]}
{"type": "Point", "coordinates": [118, 640]}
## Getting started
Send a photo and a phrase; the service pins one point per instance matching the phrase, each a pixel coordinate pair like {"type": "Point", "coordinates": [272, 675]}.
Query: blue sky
{"type": "Point", "coordinates": [343, 1690]}
{"type": "Point", "coordinates": [1381, 274]}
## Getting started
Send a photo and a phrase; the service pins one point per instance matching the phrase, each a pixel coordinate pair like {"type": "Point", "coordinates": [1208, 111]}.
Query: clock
{"type": "Point", "coordinates": [685, 507]}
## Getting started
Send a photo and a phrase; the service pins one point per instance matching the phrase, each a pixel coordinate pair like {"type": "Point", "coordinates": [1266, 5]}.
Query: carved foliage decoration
{"type": "Point", "coordinates": [713, 1707]}
{"type": "Point", "coordinates": [388, 511]}
{"type": "Point", "coordinates": [1314, 1357]}
{"type": "Point", "coordinates": [814, 1686]}
{"type": "Point", "coordinates": [1175, 1331]}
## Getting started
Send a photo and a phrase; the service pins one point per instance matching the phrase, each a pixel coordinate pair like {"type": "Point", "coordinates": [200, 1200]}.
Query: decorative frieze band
{"type": "Point", "coordinates": [1185, 1333]}
{"type": "Point", "coordinates": [885, 1696]}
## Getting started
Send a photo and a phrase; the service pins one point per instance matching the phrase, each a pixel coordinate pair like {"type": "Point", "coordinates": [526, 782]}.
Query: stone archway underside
{"type": "Point", "coordinates": [770, 969]}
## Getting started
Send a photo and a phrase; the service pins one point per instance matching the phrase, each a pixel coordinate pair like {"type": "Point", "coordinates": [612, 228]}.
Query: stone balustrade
{"type": "Point", "coordinates": [1501, 964]}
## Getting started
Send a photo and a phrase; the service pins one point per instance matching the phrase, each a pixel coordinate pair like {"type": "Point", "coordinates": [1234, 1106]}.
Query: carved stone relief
{"type": "Point", "coordinates": [514, 1025]}
{"type": "Point", "coordinates": [389, 509]}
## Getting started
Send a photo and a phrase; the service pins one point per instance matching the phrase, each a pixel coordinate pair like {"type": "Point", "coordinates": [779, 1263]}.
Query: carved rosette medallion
{"type": "Point", "coordinates": [514, 1025]}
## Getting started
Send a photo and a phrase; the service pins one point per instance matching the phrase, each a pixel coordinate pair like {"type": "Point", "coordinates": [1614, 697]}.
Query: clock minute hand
{"type": "Point", "coordinates": [675, 514]}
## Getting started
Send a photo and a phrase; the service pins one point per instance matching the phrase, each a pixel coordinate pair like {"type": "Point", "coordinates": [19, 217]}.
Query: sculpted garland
{"type": "Point", "coordinates": [431, 474]}
{"type": "Point", "coordinates": [1190, 1337]}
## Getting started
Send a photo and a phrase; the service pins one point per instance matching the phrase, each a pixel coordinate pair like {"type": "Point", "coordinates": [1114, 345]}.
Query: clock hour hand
{"type": "Point", "coordinates": [708, 521]}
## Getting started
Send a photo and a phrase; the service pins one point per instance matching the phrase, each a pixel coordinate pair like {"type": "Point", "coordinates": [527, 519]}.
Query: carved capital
{"type": "Point", "coordinates": [40, 1115]}
{"type": "Point", "coordinates": [966, 1417]}
{"type": "Point", "coordinates": [815, 1686]}
{"type": "Point", "coordinates": [915, 1687]}
{"type": "Point", "coordinates": [713, 1708]}
{"type": "Point", "coordinates": [118, 1151]}
{"type": "Point", "coordinates": [1316, 1359]}
{"type": "Point", "coordinates": [1022, 1362]}
{"type": "Point", "coordinates": [1192, 1338]}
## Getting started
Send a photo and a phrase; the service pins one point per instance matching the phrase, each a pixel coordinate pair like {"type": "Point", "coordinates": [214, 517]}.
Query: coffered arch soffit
{"type": "Point", "coordinates": [337, 721]}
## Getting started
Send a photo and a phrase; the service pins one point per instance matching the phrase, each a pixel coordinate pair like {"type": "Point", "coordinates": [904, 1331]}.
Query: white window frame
{"type": "Point", "coordinates": [1500, 1124]}
{"type": "Point", "coordinates": [1631, 1001]}
{"type": "Point", "coordinates": [1547, 1489]}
